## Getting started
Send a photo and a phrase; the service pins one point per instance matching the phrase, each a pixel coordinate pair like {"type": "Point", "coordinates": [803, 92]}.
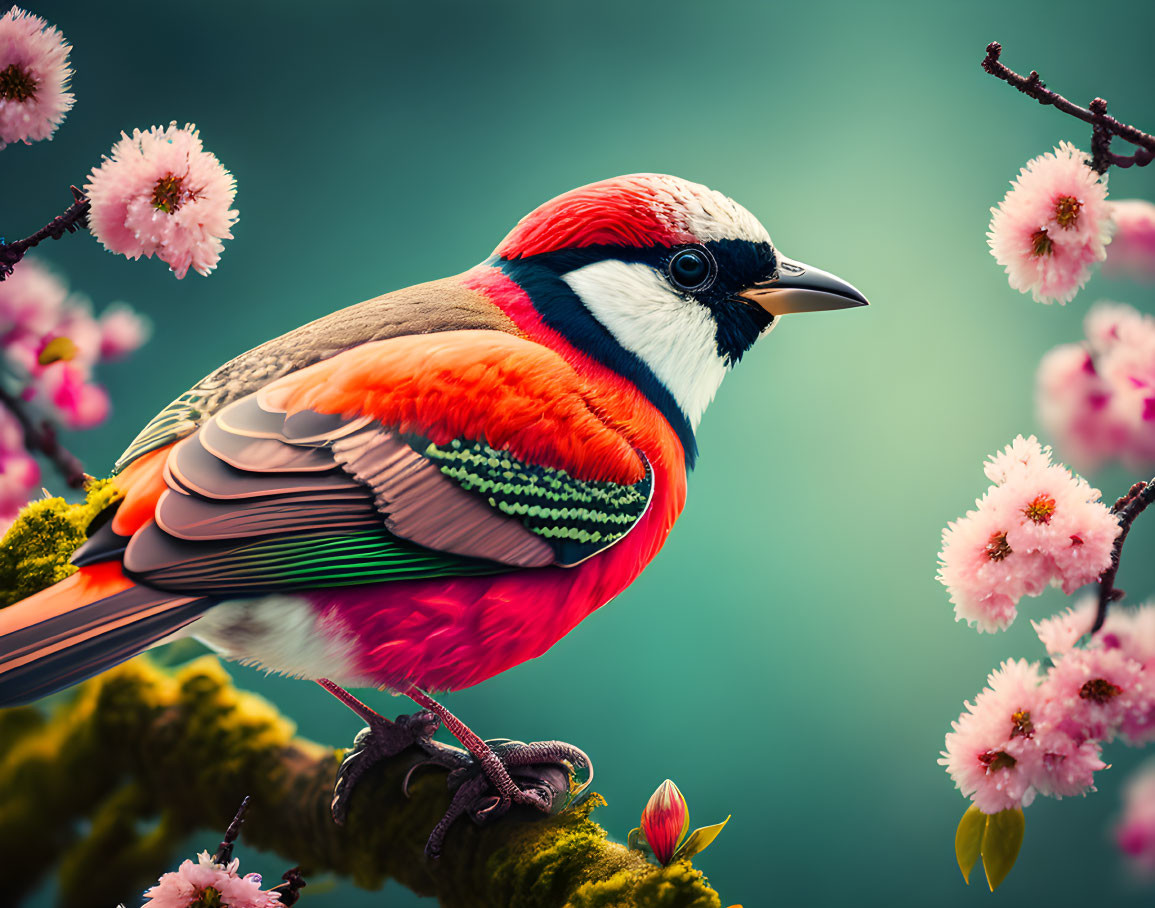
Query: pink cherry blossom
{"type": "Point", "coordinates": [77, 401]}
{"type": "Point", "coordinates": [1066, 766]}
{"type": "Point", "coordinates": [1037, 525]}
{"type": "Point", "coordinates": [192, 881]}
{"type": "Point", "coordinates": [19, 474]}
{"type": "Point", "coordinates": [1062, 631]}
{"type": "Point", "coordinates": [34, 74]}
{"type": "Point", "coordinates": [1090, 692]}
{"type": "Point", "coordinates": [1132, 250]}
{"type": "Point", "coordinates": [121, 331]}
{"type": "Point", "coordinates": [160, 193]}
{"type": "Point", "coordinates": [1098, 398]}
{"type": "Point", "coordinates": [1052, 225]}
{"type": "Point", "coordinates": [49, 346]}
{"type": "Point", "coordinates": [992, 754]}
{"type": "Point", "coordinates": [1135, 833]}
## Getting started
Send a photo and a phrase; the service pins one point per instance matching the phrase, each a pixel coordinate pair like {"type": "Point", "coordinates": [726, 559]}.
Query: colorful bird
{"type": "Point", "coordinates": [430, 487]}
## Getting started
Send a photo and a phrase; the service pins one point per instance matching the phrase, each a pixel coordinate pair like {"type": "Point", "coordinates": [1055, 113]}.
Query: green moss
{"type": "Point", "coordinates": [148, 756]}
{"type": "Point", "coordinates": [34, 552]}
{"type": "Point", "coordinates": [143, 756]}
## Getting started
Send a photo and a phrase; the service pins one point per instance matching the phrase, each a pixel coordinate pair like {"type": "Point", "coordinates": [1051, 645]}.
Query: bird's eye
{"type": "Point", "coordinates": [691, 269]}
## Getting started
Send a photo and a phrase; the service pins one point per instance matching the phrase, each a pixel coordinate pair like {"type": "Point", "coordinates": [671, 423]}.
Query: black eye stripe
{"type": "Point", "coordinates": [692, 268]}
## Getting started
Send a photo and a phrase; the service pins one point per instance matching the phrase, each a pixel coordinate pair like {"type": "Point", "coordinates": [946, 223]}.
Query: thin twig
{"type": "Point", "coordinates": [290, 890]}
{"type": "Point", "coordinates": [41, 436]}
{"type": "Point", "coordinates": [1127, 508]}
{"type": "Point", "coordinates": [224, 852]}
{"type": "Point", "coordinates": [74, 218]}
{"type": "Point", "coordinates": [1104, 126]}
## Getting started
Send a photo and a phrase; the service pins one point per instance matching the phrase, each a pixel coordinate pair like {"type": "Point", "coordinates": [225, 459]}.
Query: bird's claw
{"type": "Point", "coordinates": [540, 773]}
{"type": "Point", "coordinates": [535, 775]}
{"type": "Point", "coordinates": [380, 740]}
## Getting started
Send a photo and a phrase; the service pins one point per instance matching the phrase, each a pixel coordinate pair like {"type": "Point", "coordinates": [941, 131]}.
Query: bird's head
{"type": "Point", "coordinates": [666, 281]}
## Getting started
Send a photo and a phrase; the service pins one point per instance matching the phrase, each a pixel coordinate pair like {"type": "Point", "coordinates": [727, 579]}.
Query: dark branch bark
{"type": "Point", "coordinates": [40, 436]}
{"type": "Point", "coordinates": [1103, 126]}
{"type": "Point", "coordinates": [75, 217]}
{"type": "Point", "coordinates": [1127, 508]}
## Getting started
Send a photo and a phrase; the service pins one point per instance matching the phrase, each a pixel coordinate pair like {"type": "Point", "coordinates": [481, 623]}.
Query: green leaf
{"type": "Point", "coordinates": [968, 840]}
{"type": "Point", "coordinates": [698, 840]}
{"type": "Point", "coordinates": [632, 839]}
{"type": "Point", "coordinates": [1001, 844]}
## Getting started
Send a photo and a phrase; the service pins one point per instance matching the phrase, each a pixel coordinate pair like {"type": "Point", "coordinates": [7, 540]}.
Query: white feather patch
{"type": "Point", "coordinates": [281, 633]}
{"type": "Point", "coordinates": [673, 335]}
{"type": "Point", "coordinates": [705, 212]}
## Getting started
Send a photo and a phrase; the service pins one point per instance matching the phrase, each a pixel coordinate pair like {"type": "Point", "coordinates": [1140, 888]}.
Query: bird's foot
{"type": "Point", "coordinates": [485, 787]}
{"type": "Point", "coordinates": [486, 777]}
{"type": "Point", "coordinates": [379, 741]}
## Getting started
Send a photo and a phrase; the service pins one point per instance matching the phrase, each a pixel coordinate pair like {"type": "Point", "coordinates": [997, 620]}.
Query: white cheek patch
{"type": "Point", "coordinates": [672, 335]}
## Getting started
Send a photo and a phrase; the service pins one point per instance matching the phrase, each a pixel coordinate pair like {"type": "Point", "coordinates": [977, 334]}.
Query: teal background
{"type": "Point", "coordinates": [789, 657]}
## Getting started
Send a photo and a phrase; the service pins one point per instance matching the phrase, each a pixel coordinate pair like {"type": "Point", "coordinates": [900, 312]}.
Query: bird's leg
{"type": "Point", "coordinates": [500, 772]}
{"type": "Point", "coordinates": [381, 740]}
{"type": "Point", "coordinates": [487, 760]}
{"type": "Point", "coordinates": [486, 778]}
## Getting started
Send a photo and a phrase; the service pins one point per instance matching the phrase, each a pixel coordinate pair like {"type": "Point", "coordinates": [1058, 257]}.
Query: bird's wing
{"type": "Point", "coordinates": [445, 305]}
{"type": "Point", "coordinates": [459, 453]}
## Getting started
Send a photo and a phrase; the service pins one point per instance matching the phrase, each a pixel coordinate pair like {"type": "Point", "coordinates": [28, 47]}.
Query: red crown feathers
{"type": "Point", "coordinates": [625, 211]}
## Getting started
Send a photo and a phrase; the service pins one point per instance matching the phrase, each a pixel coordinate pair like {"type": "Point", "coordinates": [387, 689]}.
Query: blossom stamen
{"type": "Point", "coordinates": [169, 194]}
{"type": "Point", "coordinates": [209, 898]}
{"type": "Point", "coordinates": [1099, 690]}
{"type": "Point", "coordinates": [1040, 509]}
{"type": "Point", "coordinates": [16, 83]}
{"type": "Point", "coordinates": [997, 759]}
{"type": "Point", "coordinates": [997, 547]}
{"type": "Point", "coordinates": [1021, 725]}
{"type": "Point", "coordinates": [1041, 243]}
{"type": "Point", "coordinates": [1067, 211]}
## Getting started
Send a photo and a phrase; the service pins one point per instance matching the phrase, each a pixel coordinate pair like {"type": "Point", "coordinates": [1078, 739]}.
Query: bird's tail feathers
{"type": "Point", "coordinates": [81, 626]}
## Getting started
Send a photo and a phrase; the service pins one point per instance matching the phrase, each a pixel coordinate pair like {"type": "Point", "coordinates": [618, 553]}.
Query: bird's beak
{"type": "Point", "coordinates": [796, 287]}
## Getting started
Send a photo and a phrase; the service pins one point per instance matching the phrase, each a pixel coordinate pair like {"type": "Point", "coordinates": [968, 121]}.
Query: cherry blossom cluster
{"type": "Point", "coordinates": [1097, 398]}
{"type": "Point", "coordinates": [158, 192]}
{"type": "Point", "coordinates": [1038, 524]}
{"type": "Point", "coordinates": [1033, 731]}
{"type": "Point", "coordinates": [49, 344]}
{"type": "Point", "coordinates": [208, 882]}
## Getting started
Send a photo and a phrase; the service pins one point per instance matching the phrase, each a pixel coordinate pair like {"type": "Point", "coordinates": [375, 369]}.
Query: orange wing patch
{"type": "Point", "coordinates": [142, 483]}
{"type": "Point", "coordinates": [480, 385]}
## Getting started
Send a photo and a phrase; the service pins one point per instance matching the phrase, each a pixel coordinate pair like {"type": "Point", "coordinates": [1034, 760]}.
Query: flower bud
{"type": "Point", "coordinates": [665, 821]}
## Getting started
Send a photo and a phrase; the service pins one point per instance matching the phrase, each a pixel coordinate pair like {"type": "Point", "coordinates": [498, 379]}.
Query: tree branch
{"type": "Point", "coordinates": [1128, 508]}
{"type": "Point", "coordinates": [147, 756]}
{"type": "Point", "coordinates": [74, 218]}
{"type": "Point", "coordinates": [40, 436]}
{"type": "Point", "coordinates": [1104, 126]}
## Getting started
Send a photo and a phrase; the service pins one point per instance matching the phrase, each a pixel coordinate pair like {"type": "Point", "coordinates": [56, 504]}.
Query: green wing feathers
{"type": "Point", "coordinates": [577, 517]}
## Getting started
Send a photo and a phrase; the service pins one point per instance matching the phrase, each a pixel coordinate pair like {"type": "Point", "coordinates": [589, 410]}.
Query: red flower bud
{"type": "Point", "coordinates": [665, 821]}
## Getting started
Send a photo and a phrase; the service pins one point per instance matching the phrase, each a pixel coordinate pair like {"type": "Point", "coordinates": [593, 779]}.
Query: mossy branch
{"type": "Point", "coordinates": [147, 756]}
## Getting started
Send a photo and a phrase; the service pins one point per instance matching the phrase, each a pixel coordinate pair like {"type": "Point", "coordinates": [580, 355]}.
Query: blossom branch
{"type": "Point", "coordinates": [75, 217]}
{"type": "Point", "coordinates": [1127, 508]}
{"type": "Point", "coordinates": [41, 436]}
{"type": "Point", "coordinates": [1104, 126]}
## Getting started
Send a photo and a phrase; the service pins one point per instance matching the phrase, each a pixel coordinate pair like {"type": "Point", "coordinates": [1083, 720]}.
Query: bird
{"type": "Point", "coordinates": [428, 488]}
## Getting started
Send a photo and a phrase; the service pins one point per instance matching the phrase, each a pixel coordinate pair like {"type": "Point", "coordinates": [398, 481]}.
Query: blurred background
{"type": "Point", "coordinates": [789, 657]}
